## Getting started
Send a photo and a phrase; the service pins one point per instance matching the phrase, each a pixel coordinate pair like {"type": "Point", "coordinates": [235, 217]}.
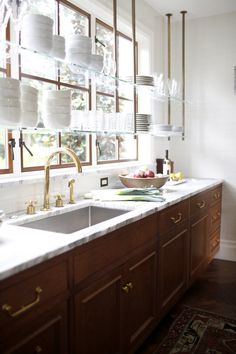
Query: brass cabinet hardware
{"type": "Point", "coordinates": [59, 200]}
{"type": "Point", "coordinates": [8, 308]}
{"type": "Point", "coordinates": [176, 220]}
{"type": "Point", "coordinates": [215, 217]}
{"type": "Point", "coordinates": [71, 186]}
{"type": "Point", "coordinates": [201, 204]}
{"type": "Point", "coordinates": [38, 349]}
{"type": "Point", "coordinates": [125, 289]}
{"type": "Point", "coordinates": [130, 285]}
{"type": "Point", "coordinates": [31, 207]}
{"type": "Point", "coordinates": [217, 195]}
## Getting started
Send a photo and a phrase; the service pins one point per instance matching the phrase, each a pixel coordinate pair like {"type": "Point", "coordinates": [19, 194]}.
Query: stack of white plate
{"type": "Point", "coordinates": [29, 106]}
{"type": "Point", "coordinates": [58, 47]}
{"type": "Point", "coordinates": [79, 50]}
{"type": "Point", "coordinates": [56, 110]}
{"type": "Point", "coordinates": [142, 80]}
{"type": "Point", "coordinates": [142, 122]}
{"type": "Point", "coordinates": [96, 62]}
{"type": "Point", "coordinates": [10, 106]}
{"type": "Point", "coordinates": [37, 32]}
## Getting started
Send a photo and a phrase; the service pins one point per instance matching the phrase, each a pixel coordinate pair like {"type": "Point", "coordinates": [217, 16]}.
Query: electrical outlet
{"type": "Point", "coordinates": [104, 182]}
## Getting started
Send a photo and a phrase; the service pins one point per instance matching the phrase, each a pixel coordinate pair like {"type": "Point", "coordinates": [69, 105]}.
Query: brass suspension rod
{"type": "Point", "coordinates": [169, 62]}
{"type": "Point", "coordinates": [134, 60]}
{"type": "Point", "coordinates": [183, 73]}
{"type": "Point", "coordinates": [115, 52]}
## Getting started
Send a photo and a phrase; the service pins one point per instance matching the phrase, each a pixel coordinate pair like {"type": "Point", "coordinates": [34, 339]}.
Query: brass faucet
{"type": "Point", "coordinates": [67, 151]}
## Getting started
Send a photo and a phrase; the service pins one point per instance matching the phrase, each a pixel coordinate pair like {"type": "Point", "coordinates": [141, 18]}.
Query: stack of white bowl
{"type": "Point", "coordinates": [10, 105]}
{"type": "Point", "coordinates": [56, 109]}
{"type": "Point", "coordinates": [79, 50]}
{"type": "Point", "coordinates": [58, 47]}
{"type": "Point", "coordinates": [96, 62]}
{"type": "Point", "coordinates": [29, 106]}
{"type": "Point", "coordinates": [37, 32]}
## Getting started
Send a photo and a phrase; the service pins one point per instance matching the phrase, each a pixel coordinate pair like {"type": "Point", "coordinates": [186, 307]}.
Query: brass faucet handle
{"type": "Point", "coordinates": [71, 182]}
{"type": "Point", "coordinates": [59, 200]}
{"type": "Point", "coordinates": [31, 207]}
{"type": "Point", "coordinates": [71, 186]}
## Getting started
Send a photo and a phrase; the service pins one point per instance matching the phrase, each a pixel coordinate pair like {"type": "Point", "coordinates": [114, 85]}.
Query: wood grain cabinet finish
{"type": "Point", "coordinates": [214, 222]}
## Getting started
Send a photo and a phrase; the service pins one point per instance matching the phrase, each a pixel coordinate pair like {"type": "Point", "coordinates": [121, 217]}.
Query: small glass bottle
{"type": "Point", "coordinates": [166, 164]}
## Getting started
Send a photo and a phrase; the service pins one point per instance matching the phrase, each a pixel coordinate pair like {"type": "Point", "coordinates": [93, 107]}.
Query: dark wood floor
{"type": "Point", "coordinates": [215, 291]}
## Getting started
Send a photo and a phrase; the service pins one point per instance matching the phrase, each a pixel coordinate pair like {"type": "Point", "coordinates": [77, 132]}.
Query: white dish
{"type": "Point", "coordinates": [56, 94]}
{"type": "Point", "coordinates": [32, 32]}
{"type": "Point", "coordinates": [58, 53]}
{"type": "Point", "coordinates": [27, 89]}
{"type": "Point", "coordinates": [57, 121]}
{"type": "Point", "coordinates": [48, 109]}
{"type": "Point", "coordinates": [96, 62]}
{"type": "Point", "coordinates": [36, 43]}
{"type": "Point", "coordinates": [36, 18]}
{"type": "Point", "coordinates": [9, 83]}
{"type": "Point", "coordinates": [62, 102]}
{"type": "Point", "coordinates": [9, 102]}
{"type": "Point", "coordinates": [80, 59]}
{"type": "Point", "coordinates": [78, 37]}
{"type": "Point", "coordinates": [9, 93]}
{"type": "Point", "coordinates": [31, 106]}
{"type": "Point", "coordinates": [10, 116]}
{"type": "Point", "coordinates": [29, 119]}
{"type": "Point", "coordinates": [163, 127]}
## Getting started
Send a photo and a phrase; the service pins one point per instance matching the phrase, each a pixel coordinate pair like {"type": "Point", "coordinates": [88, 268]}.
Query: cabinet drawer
{"type": "Point", "coordinates": [199, 203]}
{"type": "Point", "coordinates": [214, 217]}
{"type": "Point", "coordinates": [114, 246]}
{"type": "Point", "coordinates": [215, 195]}
{"type": "Point", "coordinates": [173, 216]}
{"type": "Point", "coordinates": [24, 297]}
{"type": "Point", "coordinates": [214, 244]}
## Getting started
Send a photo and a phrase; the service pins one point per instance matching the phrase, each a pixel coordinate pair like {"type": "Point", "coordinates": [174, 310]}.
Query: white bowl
{"type": "Point", "coordinates": [62, 101]}
{"type": "Point", "coordinates": [56, 120]}
{"type": "Point", "coordinates": [96, 62]}
{"type": "Point", "coordinates": [36, 18]}
{"type": "Point", "coordinates": [29, 119]}
{"type": "Point", "coordinates": [29, 106]}
{"type": "Point", "coordinates": [56, 94]}
{"type": "Point", "coordinates": [27, 89]}
{"type": "Point", "coordinates": [9, 83]}
{"type": "Point", "coordinates": [163, 127]}
{"type": "Point", "coordinates": [58, 53]}
{"type": "Point", "coordinates": [36, 32]}
{"type": "Point", "coordinates": [10, 116]}
{"type": "Point", "coordinates": [78, 38]}
{"type": "Point", "coordinates": [59, 40]}
{"type": "Point", "coordinates": [80, 59]}
{"type": "Point", "coordinates": [9, 93]}
{"type": "Point", "coordinates": [37, 43]}
{"type": "Point", "coordinates": [9, 102]}
{"type": "Point", "coordinates": [48, 109]}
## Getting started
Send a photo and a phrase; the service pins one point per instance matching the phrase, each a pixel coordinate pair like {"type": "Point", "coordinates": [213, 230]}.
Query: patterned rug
{"type": "Point", "coordinates": [199, 332]}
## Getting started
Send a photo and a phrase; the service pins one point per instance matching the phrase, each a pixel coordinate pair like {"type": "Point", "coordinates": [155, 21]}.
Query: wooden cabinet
{"type": "Point", "coordinates": [214, 222]}
{"type": "Point", "coordinates": [173, 258]}
{"type": "Point", "coordinates": [198, 234]}
{"type": "Point", "coordinates": [33, 316]}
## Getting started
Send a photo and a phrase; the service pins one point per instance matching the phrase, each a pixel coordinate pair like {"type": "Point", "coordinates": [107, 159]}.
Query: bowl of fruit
{"type": "Point", "coordinates": [143, 178]}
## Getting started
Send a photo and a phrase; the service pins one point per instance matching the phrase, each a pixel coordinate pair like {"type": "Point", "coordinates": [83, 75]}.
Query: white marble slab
{"type": "Point", "coordinates": [22, 248]}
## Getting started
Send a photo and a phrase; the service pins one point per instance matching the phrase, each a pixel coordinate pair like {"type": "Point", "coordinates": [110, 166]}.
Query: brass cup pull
{"type": "Point", "coordinates": [201, 204]}
{"type": "Point", "coordinates": [216, 217]}
{"type": "Point", "coordinates": [38, 349]}
{"type": "Point", "coordinates": [130, 286]}
{"type": "Point", "coordinates": [8, 308]}
{"type": "Point", "coordinates": [217, 195]}
{"type": "Point", "coordinates": [176, 220]}
{"type": "Point", "coordinates": [125, 289]}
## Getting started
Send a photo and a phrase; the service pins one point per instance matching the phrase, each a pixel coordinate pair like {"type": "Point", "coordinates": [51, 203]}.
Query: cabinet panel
{"type": "Point", "coordinates": [199, 203]}
{"type": "Point", "coordinates": [46, 335]}
{"type": "Point", "coordinates": [173, 269]}
{"type": "Point", "coordinates": [97, 317]}
{"type": "Point", "coordinates": [215, 195]}
{"type": "Point", "coordinates": [173, 216]}
{"type": "Point", "coordinates": [198, 246]}
{"type": "Point", "coordinates": [214, 244]}
{"type": "Point", "coordinates": [140, 300]}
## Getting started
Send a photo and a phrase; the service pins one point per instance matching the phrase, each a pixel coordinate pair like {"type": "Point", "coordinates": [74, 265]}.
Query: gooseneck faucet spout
{"type": "Point", "coordinates": [76, 160]}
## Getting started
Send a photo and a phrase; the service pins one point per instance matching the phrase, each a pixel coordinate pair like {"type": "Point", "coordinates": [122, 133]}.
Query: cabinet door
{"type": "Point", "coordinates": [97, 317]}
{"type": "Point", "coordinates": [139, 299]}
{"type": "Point", "coordinates": [198, 246]}
{"type": "Point", "coordinates": [46, 335]}
{"type": "Point", "coordinates": [172, 269]}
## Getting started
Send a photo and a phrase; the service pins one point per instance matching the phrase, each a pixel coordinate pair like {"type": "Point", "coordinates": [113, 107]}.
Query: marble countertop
{"type": "Point", "coordinates": [22, 247]}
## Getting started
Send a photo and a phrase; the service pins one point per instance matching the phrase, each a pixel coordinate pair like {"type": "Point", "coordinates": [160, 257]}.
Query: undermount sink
{"type": "Point", "coordinates": [75, 220]}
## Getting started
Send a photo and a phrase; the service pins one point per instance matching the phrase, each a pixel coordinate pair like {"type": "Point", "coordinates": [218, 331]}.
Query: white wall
{"type": "Point", "coordinates": [209, 149]}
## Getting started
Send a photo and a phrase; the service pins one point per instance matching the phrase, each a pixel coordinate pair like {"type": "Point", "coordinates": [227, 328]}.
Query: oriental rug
{"type": "Point", "coordinates": [196, 331]}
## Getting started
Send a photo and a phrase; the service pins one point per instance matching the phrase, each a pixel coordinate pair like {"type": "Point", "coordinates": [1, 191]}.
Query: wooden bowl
{"type": "Point", "coordinates": [147, 182]}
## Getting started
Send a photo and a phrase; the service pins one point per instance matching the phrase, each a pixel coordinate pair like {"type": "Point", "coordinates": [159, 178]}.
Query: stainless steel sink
{"type": "Point", "coordinates": [75, 220]}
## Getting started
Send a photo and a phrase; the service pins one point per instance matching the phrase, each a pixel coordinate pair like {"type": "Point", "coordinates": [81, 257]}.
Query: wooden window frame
{"type": "Point", "coordinates": [58, 83]}
{"type": "Point", "coordinates": [117, 98]}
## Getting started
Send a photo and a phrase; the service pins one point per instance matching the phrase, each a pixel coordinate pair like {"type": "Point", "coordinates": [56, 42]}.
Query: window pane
{"type": "Point", "coordinates": [72, 22]}
{"type": "Point", "coordinates": [3, 149]}
{"type": "Point", "coordinates": [107, 147]}
{"type": "Point", "coordinates": [38, 65]}
{"type": "Point", "coordinates": [77, 142]}
{"type": "Point", "coordinates": [125, 65]}
{"type": "Point", "coordinates": [41, 144]}
{"type": "Point", "coordinates": [127, 147]}
{"type": "Point", "coordinates": [126, 106]}
{"type": "Point", "coordinates": [105, 103]}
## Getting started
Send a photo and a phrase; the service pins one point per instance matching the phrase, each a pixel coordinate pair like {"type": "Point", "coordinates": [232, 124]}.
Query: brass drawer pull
{"type": "Point", "coordinates": [176, 220]}
{"type": "Point", "coordinates": [125, 289]}
{"type": "Point", "coordinates": [130, 286]}
{"type": "Point", "coordinates": [216, 217]}
{"type": "Point", "coordinates": [7, 308]}
{"type": "Point", "coordinates": [38, 349]}
{"type": "Point", "coordinates": [217, 195]}
{"type": "Point", "coordinates": [201, 204]}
